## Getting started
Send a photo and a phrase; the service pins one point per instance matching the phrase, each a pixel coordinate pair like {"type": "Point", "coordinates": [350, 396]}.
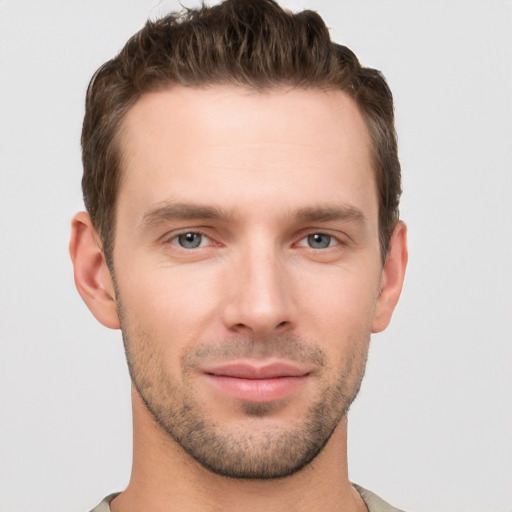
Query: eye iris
{"type": "Point", "coordinates": [319, 241]}
{"type": "Point", "coordinates": [190, 240]}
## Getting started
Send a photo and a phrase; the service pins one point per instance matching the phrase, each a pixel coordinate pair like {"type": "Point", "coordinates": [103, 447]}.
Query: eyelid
{"type": "Point", "coordinates": [171, 238]}
{"type": "Point", "coordinates": [336, 237]}
{"type": "Point", "coordinates": [333, 242]}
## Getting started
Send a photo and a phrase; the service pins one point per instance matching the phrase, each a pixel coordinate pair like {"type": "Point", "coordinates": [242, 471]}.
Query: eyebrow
{"type": "Point", "coordinates": [345, 212]}
{"type": "Point", "coordinates": [169, 211]}
{"type": "Point", "coordinates": [182, 211]}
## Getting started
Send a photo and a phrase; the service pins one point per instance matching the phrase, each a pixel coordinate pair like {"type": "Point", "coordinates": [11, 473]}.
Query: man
{"type": "Point", "coordinates": [241, 182]}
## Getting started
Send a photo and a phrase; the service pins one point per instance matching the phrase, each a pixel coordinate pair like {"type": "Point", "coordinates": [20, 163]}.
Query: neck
{"type": "Point", "coordinates": [165, 478]}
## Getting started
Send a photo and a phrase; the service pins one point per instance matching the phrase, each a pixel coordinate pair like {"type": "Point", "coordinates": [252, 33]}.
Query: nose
{"type": "Point", "coordinates": [259, 291]}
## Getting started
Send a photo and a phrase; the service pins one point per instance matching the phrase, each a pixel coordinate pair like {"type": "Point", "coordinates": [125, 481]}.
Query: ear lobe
{"type": "Point", "coordinates": [392, 278]}
{"type": "Point", "coordinates": [92, 276]}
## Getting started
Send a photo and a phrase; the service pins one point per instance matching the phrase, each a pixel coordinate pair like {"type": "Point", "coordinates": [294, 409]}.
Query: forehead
{"type": "Point", "coordinates": [278, 115]}
{"type": "Point", "coordinates": [222, 139]}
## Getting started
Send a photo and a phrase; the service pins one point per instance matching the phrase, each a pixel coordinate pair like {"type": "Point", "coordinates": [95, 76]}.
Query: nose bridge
{"type": "Point", "coordinates": [259, 294]}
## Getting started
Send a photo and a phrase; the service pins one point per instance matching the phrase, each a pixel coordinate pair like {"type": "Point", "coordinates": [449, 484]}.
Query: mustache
{"type": "Point", "coordinates": [288, 347]}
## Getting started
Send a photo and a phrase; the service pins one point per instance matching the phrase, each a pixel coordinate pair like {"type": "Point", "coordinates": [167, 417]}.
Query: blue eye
{"type": "Point", "coordinates": [190, 240]}
{"type": "Point", "coordinates": [319, 241]}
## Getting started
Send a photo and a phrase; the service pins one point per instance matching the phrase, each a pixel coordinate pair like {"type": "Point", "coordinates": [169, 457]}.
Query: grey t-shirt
{"type": "Point", "coordinates": [372, 502]}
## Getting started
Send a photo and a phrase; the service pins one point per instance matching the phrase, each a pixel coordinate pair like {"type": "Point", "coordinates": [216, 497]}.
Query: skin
{"type": "Point", "coordinates": [279, 166]}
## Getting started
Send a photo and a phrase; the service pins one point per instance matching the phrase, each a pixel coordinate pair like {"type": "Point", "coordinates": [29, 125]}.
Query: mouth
{"type": "Point", "coordinates": [252, 382]}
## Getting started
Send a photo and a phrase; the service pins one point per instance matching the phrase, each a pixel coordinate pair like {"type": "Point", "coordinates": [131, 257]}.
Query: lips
{"type": "Point", "coordinates": [252, 371]}
{"type": "Point", "coordinates": [257, 382]}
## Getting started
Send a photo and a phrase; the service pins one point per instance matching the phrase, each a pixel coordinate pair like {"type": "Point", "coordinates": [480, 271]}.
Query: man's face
{"type": "Point", "coordinates": [247, 269]}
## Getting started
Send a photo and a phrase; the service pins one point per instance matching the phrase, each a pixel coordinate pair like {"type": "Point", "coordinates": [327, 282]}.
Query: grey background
{"type": "Point", "coordinates": [431, 429]}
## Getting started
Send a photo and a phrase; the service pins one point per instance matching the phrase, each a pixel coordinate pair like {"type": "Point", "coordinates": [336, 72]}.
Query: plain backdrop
{"type": "Point", "coordinates": [432, 427]}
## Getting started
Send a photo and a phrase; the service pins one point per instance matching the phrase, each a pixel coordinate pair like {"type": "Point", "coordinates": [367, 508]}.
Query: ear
{"type": "Point", "coordinates": [92, 276]}
{"type": "Point", "coordinates": [392, 278]}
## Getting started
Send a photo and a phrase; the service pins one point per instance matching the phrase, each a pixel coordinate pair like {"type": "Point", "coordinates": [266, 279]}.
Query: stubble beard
{"type": "Point", "coordinates": [269, 452]}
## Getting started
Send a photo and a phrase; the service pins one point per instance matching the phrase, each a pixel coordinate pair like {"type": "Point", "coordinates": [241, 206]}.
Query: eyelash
{"type": "Point", "coordinates": [331, 238]}
{"type": "Point", "coordinates": [333, 241]}
{"type": "Point", "coordinates": [175, 239]}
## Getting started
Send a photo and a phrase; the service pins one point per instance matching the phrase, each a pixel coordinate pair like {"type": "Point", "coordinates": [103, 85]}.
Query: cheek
{"type": "Point", "coordinates": [339, 304]}
{"type": "Point", "coordinates": [346, 329]}
{"type": "Point", "coordinates": [169, 302]}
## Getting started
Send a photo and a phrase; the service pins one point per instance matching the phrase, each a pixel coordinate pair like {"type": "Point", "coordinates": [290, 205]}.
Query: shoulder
{"type": "Point", "coordinates": [374, 502]}
{"type": "Point", "coordinates": [371, 500]}
{"type": "Point", "coordinates": [104, 506]}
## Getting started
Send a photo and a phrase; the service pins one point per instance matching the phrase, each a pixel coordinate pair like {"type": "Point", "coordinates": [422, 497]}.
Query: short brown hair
{"type": "Point", "coordinates": [252, 43]}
